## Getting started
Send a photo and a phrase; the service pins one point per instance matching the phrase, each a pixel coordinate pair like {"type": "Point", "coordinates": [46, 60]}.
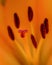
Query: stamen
{"type": "Point", "coordinates": [10, 32]}
{"type": "Point", "coordinates": [16, 20]}
{"type": "Point", "coordinates": [43, 30]}
{"type": "Point", "coordinates": [30, 14]}
{"type": "Point", "coordinates": [46, 25]}
{"type": "Point", "coordinates": [33, 41]}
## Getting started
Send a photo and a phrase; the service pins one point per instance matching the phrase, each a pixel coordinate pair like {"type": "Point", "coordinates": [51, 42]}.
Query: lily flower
{"type": "Point", "coordinates": [22, 40]}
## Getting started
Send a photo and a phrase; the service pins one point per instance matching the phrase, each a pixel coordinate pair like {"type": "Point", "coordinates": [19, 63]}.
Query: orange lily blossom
{"type": "Point", "coordinates": [25, 32]}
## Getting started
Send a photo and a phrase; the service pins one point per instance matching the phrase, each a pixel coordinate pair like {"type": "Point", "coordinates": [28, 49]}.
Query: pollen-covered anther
{"type": "Point", "coordinates": [10, 33]}
{"type": "Point", "coordinates": [46, 25]}
{"type": "Point", "coordinates": [30, 14]}
{"type": "Point", "coordinates": [43, 30]}
{"type": "Point", "coordinates": [16, 20]}
{"type": "Point", "coordinates": [34, 41]}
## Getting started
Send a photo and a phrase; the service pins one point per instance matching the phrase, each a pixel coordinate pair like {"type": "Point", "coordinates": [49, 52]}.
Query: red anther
{"type": "Point", "coordinates": [43, 30]}
{"type": "Point", "coordinates": [16, 20]}
{"type": "Point", "coordinates": [30, 14]}
{"type": "Point", "coordinates": [46, 25]}
{"type": "Point", "coordinates": [10, 33]}
{"type": "Point", "coordinates": [34, 41]}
